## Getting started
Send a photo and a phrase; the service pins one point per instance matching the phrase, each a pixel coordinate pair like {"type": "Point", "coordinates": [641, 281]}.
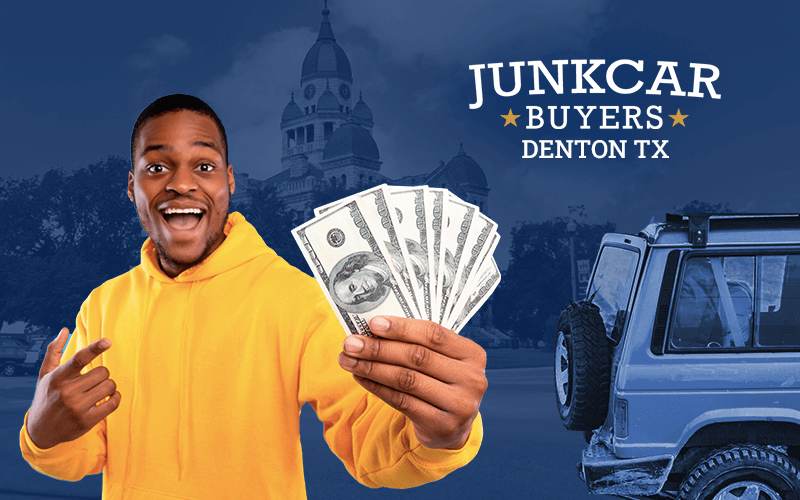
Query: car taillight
{"type": "Point", "coordinates": [620, 418]}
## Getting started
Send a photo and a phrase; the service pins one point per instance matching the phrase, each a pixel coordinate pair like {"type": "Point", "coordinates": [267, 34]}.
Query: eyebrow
{"type": "Point", "coordinates": [205, 144]}
{"type": "Point", "coordinates": [155, 147]}
{"type": "Point", "coordinates": [159, 147]}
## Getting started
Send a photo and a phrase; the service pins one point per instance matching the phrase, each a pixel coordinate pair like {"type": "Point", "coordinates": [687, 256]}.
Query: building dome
{"type": "Point", "coordinates": [326, 59]}
{"type": "Point", "coordinates": [328, 101]}
{"type": "Point", "coordinates": [351, 139]}
{"type": "Point", "coordinates": [465, 170]}
{"type": "Point", "coordinates": [361, 110]}
{"type": "Point", "coordinates": [291, 111]}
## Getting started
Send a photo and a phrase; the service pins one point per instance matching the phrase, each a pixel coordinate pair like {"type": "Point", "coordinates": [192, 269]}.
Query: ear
{"type": "Point", "coordinates": [231, 180]}
{"type": "Point", "coordinates": [130, 185]}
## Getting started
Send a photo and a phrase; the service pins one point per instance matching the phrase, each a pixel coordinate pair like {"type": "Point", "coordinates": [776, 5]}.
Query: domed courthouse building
{"type": "Point", "coordinates": [326, 137]}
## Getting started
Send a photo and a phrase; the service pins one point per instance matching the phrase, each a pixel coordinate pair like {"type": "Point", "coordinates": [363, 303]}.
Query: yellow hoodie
{"type": "Point", "coordinates": [213, 367]}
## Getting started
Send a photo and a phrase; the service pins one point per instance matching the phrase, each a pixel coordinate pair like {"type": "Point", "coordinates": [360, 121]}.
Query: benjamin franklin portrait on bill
{"type": "Point", "coordinates": [361, 282]}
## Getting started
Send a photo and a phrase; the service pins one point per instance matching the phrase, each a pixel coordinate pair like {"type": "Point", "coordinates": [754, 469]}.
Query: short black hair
{"type": "Point", "coordinates": [171, 104]}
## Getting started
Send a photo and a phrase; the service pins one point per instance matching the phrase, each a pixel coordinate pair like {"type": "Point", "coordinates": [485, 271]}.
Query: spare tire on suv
{"type": "Point", "coordinates": [582, 367]}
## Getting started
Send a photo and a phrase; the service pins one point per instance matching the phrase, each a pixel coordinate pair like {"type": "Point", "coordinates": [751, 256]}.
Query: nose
{"type": "Point", "coordinates": [182, 181]}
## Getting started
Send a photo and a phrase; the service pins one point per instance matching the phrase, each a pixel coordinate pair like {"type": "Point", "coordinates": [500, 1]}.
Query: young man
{"type": "Point", "coordinates": [185, 376]}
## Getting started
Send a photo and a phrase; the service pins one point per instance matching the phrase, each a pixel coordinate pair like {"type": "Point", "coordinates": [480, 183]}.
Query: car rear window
{"type": "Point", "coordinates": [612, 285]}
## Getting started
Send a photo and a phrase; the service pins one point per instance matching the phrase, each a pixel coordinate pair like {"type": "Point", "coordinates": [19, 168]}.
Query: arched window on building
{"type": "Point", "coordinates": [328, 130]}
{"type": "Point", "coordinates": [290, 139]}
{"type": "Point", "coordinates": [309, 133]}
{"type": "Point", "coordinates": [344, 181]}
{"type": "Point", "coordinates": [333, 181]}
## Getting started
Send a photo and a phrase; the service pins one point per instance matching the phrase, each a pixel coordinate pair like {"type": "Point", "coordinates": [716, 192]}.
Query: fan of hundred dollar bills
{"type": "Point", "coordinates": [416, 252]}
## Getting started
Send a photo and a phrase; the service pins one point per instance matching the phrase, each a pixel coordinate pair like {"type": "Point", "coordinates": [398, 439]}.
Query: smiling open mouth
{"type": "Point", "coordinates": [183, 218]}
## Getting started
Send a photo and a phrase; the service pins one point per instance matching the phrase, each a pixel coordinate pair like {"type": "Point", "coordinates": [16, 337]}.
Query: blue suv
{"type": "Point", "coordinates": [682, 365]}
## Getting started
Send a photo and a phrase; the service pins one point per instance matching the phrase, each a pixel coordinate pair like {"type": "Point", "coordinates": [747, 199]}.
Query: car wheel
{"type": "Point", "coordinates": [9, 370]}
{"type": "Point", "coordinates": [747, 472]}
{"type": "Point", "coordinates": [582, 367]}
{"type": "Point", "coordinates": [563, 368]}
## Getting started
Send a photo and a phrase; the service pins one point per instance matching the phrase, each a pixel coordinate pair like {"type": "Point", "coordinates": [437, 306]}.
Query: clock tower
{"type": "Point", "coordinates": [321, 104]}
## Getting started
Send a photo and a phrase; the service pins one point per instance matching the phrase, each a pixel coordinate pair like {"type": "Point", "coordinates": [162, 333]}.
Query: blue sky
{"type": "Point", "coordinates": [76, 76]}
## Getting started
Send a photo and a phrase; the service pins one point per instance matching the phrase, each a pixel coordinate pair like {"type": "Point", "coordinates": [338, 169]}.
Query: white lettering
{"type": "Point", "coordinates": [545, 146]}
{"type": "Point", "coordinates": [639, 65]}
{"type": "Point", "coordinates": [607, 117]}
{"type": "Point", "coordinates": [614, 146]}
{"type": "Point", "coordinates": [531, 116]}
{"type": "Point", "coordinates": [594, 149]}
{"type": "Point", "coordinates": [673, 79]}
{"type": "Point", "coordinates": [517, 78]}
{"type": "Point", "coordinates": [629, 116]}
{"type": "Point", "coordinates": [660, 149]}
{"type": "Point", "coordinates": [641, 144]}
{"type": "Point", "coordinates": [580, 75]}
{"type": "Point", "coordinates": [527, 143]}
{"type": "Point", "coordinates": [585, 116]}
{"type": "Point", "coordinates": [655, 117]}
{"type": "Point", "coordinates": [707, 80]}
{"type": "Point", "coordinates": [478, 85]}
{"type": "Point", "coordinates": [539, 66]}
{"type": "Point", "coordinates": [567, 151]}
{"type": "Point", "coordinates": [582, 143]}
{"type": "Point", "coordinates": [553, 117]}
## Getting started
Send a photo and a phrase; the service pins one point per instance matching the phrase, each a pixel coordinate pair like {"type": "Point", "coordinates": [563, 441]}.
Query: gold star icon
{"type": "Point", "coordinates": [678, 118]}
{"type": "Point", "coordinates": [510, 118]}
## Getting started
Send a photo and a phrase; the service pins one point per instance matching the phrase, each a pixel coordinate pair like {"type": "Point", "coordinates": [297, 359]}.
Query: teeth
{"type": "Point", "coordinates": [171, 211]}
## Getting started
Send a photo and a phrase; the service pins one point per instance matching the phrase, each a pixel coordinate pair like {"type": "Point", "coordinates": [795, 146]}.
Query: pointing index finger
{"type": "Point", "coordinates": [83, 357]}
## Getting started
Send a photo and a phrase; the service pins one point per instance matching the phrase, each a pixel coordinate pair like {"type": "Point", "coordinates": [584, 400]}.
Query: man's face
{"type": "Point", "coordinates": [181, 187]}
{"type": "Point", "coordinates": [360, 285]}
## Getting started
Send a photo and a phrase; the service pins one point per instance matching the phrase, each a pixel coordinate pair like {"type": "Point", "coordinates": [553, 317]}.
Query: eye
{"type": "Point", "coordinates": [206, 167]}
{"type": "Point", "coordinates": [352, 287]}
{"type": "Point", "coordinates": [156, 169]}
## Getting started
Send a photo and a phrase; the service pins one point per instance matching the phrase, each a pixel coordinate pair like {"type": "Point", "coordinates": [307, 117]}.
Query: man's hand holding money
{"type": "Point", "coordinates": [433, 376]}
{"type": "Point", "coordinates": [388, 256]}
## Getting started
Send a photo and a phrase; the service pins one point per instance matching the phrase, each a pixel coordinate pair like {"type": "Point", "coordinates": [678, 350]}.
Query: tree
{"type": "Point", "coordinates": [64, 234]}
{"type": "Point", "coordinates": [326, 192]}
{"type": "Point", "coordinates": [536, 284]}
{"type": "Point", "coordinates": [268, 213]}
{"type": "Point", "coordinates": [703, 207]}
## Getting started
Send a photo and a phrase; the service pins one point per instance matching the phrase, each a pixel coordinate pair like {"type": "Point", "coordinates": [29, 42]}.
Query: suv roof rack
{"type": "Point", "coordinates": [699, 222]}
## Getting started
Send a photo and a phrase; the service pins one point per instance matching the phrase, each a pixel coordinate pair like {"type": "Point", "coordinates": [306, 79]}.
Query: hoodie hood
{"type": "Point", "coordinates": [242, 244]}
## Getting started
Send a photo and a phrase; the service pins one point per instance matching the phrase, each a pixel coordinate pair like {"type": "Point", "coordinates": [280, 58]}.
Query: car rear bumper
{"type": "Point", "coordinates": [605, 474]}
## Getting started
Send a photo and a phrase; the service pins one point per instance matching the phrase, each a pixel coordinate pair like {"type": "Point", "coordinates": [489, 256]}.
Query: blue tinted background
{"type": "Point", "coordinates": [75, 76]}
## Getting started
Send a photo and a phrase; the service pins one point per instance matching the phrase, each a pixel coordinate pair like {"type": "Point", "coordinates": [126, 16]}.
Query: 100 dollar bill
{"type": "Point", "coordinates": [409, 206]}
{"type": "Point", "coordinates": [352, 266]}
{"type": "Point", "coordinates": [485, 282]}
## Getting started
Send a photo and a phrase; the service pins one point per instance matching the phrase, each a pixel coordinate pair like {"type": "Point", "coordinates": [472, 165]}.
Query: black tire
{"type": "Point", "coordinates": [9, 370]}
{"type": "Point", "coordinates": [743, 471]}
{"type": "Point", "coordinates": [582, 367]}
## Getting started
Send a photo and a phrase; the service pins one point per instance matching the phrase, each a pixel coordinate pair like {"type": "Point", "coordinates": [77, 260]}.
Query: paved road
{"type": "Point", "coordinates": [526, 452]}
